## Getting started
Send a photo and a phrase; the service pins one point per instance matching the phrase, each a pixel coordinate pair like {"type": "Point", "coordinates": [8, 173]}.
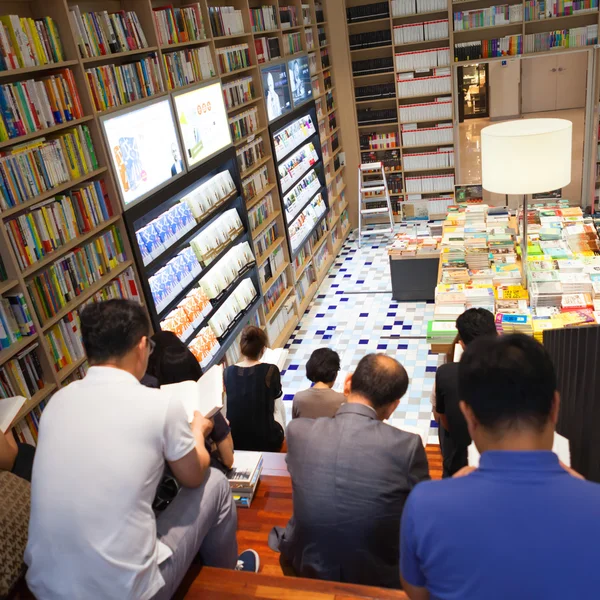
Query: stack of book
{"type": "Point", "coordinates": [23, 375]}
{"type": "Point", "coordinates": [177, 25]}
{"type": "Point", "coordinates": [244, 476]}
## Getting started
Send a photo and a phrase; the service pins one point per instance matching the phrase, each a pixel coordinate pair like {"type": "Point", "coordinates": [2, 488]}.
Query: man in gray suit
{"type": "Point", "coordinates": [351, 475]}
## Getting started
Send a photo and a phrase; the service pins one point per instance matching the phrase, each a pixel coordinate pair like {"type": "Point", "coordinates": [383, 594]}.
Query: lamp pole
{"type": "Point", "coordinates": [524, 243]}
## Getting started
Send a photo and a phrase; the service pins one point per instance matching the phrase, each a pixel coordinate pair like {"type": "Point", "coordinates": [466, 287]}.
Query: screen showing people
{"type": "Point", "coordinates": [203, 123]}
{"type": "Point", "coordinates": [300, 80]}
{"type": "Point", "coordinates": [144, 149]}
{"type": "Point", "coordinates": [277, 91]}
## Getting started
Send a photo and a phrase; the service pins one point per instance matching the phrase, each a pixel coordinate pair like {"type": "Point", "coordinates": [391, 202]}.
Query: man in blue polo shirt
{"type": "Point", "coordinates": [521, 525]}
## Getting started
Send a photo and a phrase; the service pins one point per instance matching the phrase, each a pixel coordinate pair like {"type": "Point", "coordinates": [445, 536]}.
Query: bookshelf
{"type": "Point", "coordinates": [476, 29]}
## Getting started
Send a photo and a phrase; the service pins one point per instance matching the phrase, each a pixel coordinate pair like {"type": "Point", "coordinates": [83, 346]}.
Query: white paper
{"type": "Point", "coordinates": [276, 356]}
{"type": "Point", "coordinates": [9, 407]}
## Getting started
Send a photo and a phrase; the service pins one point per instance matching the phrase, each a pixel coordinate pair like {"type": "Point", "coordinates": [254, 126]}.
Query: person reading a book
{"type": "Point", "coordinates": [252, 390]}
{"type": "Point", "coordinates": [521, 525]}
{"type": "Point", "coordinates": [102, 445]}
{"type": "Point", "coordinates": [351, 475]}
{"type": "Point", "coordinates": [15, 456]}
{"type": "Point", "coordinates": [319, 400]}
{"type": "Point", "coordinates": [454, 435]}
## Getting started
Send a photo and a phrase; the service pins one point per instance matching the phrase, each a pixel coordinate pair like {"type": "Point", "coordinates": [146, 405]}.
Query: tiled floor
{"type": "Point", "coordinates": [353, 313]}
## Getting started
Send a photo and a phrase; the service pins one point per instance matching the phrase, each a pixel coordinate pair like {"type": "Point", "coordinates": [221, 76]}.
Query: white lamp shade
{"type": "Point", "coordinates": [528, 156]}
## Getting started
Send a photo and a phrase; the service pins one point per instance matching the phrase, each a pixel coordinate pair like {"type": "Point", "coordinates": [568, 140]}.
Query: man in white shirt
{"type": "Point", "coordinates": [102, 447]}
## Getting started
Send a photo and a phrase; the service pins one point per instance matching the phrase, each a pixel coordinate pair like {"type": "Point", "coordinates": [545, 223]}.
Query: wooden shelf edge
{"type": "Point", "coordinates": [34, 401]}
{"type": "Point", "coordinates": [265, 224]}
{"type": "Point", "coordinates": [261, 260]}
{"type": "Point", "coordinates": [269, 315]}
{"type": "Point", "coordinates": [68, 369]}
{"type": "Point", "coordinates": [7, 353]}
{"type": "Point", "coordinates": [269, 283]}
{"type": "Point", "coordinates": [44, 132]}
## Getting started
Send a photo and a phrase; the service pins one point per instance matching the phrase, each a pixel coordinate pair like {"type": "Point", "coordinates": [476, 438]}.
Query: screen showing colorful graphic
{"type": "Point", "coordinates": [277, 91]}
{"type": "Point", "coordinates": [300, 80]}
{"type": "Point", "coordinates": [203, 123]}
{"type": "Point", "coordinates": [144, 149]}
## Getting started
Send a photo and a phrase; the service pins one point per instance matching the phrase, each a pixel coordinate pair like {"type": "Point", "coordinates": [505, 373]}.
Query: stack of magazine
{"type": "Point", "coordinates": [244, 476]}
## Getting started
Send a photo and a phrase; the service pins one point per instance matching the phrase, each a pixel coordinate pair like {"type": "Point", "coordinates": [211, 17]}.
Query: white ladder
{"type": "Point", "coordinates": [372, 187]}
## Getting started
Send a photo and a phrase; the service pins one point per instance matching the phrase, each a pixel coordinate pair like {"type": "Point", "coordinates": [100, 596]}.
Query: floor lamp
{"type": "Point", "coordinates": [528, 156]}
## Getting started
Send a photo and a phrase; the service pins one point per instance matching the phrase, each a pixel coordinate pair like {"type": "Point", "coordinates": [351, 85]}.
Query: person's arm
{"type": "Point", "coordinates": [418, 468]}
{"type": "Point", "coordinates": [274, 382]}
{"type": "Point", "coordinates": [225, 450]}
{"type": "Point", "coordinates": [221, 436]}
{"type": "Point", "coordinates": [411, 575]}
{"type": "Point", "coordinates": [8, 451]}
{"type": "Point", "coordinates": [439, 410]}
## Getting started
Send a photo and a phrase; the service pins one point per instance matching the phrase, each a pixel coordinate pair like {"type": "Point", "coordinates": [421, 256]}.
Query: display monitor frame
{"type": "Point", "coordinates": [226, 130]}
{"type": "Point", "coordinates": [266, 70]}
{"type": "Point", "coordinates": [104, 119]}
{"type": "Point", "coordinates": [308, 84]}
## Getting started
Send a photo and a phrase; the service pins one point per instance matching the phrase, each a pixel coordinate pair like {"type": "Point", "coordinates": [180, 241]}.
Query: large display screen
{"type": "Point", "coordinates": [277, 91]}
{"type": "Point", "coordinates": [300, 80]}
{"type": "Point", "coordinates": [203, 122]}
{"type": "Point", "coordinates": [144, 148]}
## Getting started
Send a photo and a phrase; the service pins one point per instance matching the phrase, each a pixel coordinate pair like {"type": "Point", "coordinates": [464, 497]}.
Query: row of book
{"type": "Point", "coordinates": [238, 92]}
{"type": "Point", "coordinates": [263, 18]}
{"type": "Point", "coordinates": [187, 66]}
{"type": "Point", "coordinates": [33, 105]}
{"type": "Point", "coordinates": [537, 11]}
{"type": "Point", "coordinates": [492, 16]}
{"type": "Point", "coordinates": [28, 170]}
{"type": "Point", "coordinates": [188, 315]}
{"type": "Point", "coordinates": [266, 49]}
{"type": "Point", "coordinates": [409, 86]}
{"type": "Point", "coordinates": [278, 322]}
{"type": "Point", "coordinates": [274, 293]}
{"type": "Point", "coordinates": [292, 169]}
{"type": "Point", "coordinates": [209, 194]}
{"type": "Point", "coordinates": [288, 16]}
{"type": "Point", "coordinates": [322, 36]}
{"type": "Point", "coordinates": [403, 8]}
{"type": "Point", "coordinates": [312, 63]}
{"type": "Point", "coordinates": [225, 20]}
{"type": "Point", "coordinates": [101, 33]}
{"type": "Point", "coordinates": [230, 267]}
{"type": "Point", "coordinates": [371, 39]}
{"type": "Point", "coordinates": [15, 319]}
{"type": "Point", "coordinates": [244, 123]}
{"type": "Point", "coordinates": [204, 346]}
{"type": "Point", "coordinates": [53, 288]}
{"type": "Point", "coordinates": [376, 116]}
{"type": "Point", "coordinates": [423, 59]}
{"type": "Point", "coordinates": [443, 158]}
{"type": "Point", "coordinates": [427, 111]}
{"type": "Point", "coordinates": [52, 224]}
{"type": "Point", "coordinates": [300, 194]}
{"type": "Point", "coordinates": [372, 66]}
{"type": "Point", "coordinates": [306, 221]}
{"type": "Point", "coordinates": [260, 213]}
{"type": "Point", "coordinates": [179, 25]}
{"type": "Point", "coordinates": [293, 135]}
{"type": "Point", "coordinates": [292, 43]}
{"type": "Point", "coordinates": [233, 58]}
{"type": "Point", "coordinates": [413, 135]}
{"type": "Point", "coordinates": [209, 243]}
{"type": "Point", "coordinates": [325, 58]}
{"type": "Point", "coordinates": [368, 12]}
{"type": "Point", "coordinates": [26, 42]}
{"type": "Point", "coordinates": [118, 84]}
{"type": "Point", "coordinates": [308, 36]}
{"type": "Point", "coordinates": [26, 430]}
{"type": "Point", "coordinates": [271, 266]}
{"type": "Point", "coordinates": [266, 239]}
{"type": "Point", "coordinates": [250, 154]}
{"type": "Point", "coordinates": [429, 184]}
{"type": "Point", "coordinates": [561, 38]}
{"type": "Point", "coordinates": [239, 300]}
{"type": "Point", "coordinates": [421, 32]}
{"type": "Point", "coordinates": [379, 141]}
{"type": "Point", "coordinates": [23, 375]}
{"type": "Point", "coordinates": [255, 183]}
{"type": "Point", "coordinates": [509, 45]}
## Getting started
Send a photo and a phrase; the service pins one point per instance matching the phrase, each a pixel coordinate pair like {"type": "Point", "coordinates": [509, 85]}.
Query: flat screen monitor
{"type": "Point", "coordinates": [144, 149]}
{"type": "Point", "coordinates": [300, 84]}
{"type": "Point", "coordinates": [277, 91]}
{"type": "Point", "coordinates": [203, 122]}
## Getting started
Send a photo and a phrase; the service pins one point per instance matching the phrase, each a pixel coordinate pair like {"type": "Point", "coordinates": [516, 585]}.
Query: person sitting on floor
{"type": "Point", "coordinates": [102, 446]}
{"type": "Point", "coordinates": [319, 400]}
{"type": "Point", "coordinates": [15, 456]}
{"type": "Point", "coordinates": [454, 435]}
{"type": "Point", "coordinates": [351, 475]}
{"type": "Point", "coordinates": [253, 389]}
{"type": "Point", "coordinates": [521, 525]}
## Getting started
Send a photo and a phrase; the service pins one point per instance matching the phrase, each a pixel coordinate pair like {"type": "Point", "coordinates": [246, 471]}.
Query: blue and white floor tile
{"type": "Point", "coordinates": [353, 313]}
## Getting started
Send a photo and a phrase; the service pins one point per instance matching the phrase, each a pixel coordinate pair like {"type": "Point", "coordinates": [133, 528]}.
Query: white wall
{"type": "Point", "coordinates": [504, 84]}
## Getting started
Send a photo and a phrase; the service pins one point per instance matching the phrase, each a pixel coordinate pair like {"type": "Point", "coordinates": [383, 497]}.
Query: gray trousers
{"type": "Point", "coordinates": [201, 521]}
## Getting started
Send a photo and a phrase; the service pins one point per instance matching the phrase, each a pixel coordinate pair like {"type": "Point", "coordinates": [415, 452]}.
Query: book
{"type": "Point", "coordinates": [204, 395]}
{"type": "Point", "coordinates": [177, 25]}
{"type": "Point", "coordinates": [9, 408]}
{"type": "Point", "coordinates": [275, 357]}
{"type": "Point", "coordinates": [244, 476]}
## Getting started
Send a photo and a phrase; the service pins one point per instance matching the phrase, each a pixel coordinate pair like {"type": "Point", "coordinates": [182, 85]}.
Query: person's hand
{"type": "Point", "coordinates": [464, 472]}
{"type": "Point", "coordinates": [570, 471]}
{"type": "Point", "coordinates": [201, 426]}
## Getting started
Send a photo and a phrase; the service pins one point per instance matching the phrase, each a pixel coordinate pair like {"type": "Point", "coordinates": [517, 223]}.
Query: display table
{"type": "Point", "coordinates": [414, 277]}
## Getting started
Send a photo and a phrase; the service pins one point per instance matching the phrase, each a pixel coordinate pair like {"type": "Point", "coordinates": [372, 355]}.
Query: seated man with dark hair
{"type": "Point", "coordinates": [454, 436]}
{"type": "Point", "coordinates": [320, 400]}
{"type": "Point", "coordinates": [351, 475]}
{"type": "Point", "coordinates": [521, 525]}
{"type": "Point", "coordinates": [102, 446]}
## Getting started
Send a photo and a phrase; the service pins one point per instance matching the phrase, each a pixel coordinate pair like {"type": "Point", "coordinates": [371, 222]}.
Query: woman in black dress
{"type": "Point", "coordinates": [252, 388]}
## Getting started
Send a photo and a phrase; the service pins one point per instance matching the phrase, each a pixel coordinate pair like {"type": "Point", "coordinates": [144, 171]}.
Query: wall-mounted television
{"type": "Point", "coordinates": [300, 85]}
{"type": "Point", "coordinates": [203, 122]}
{"type": "Point", "coordinates": [144, 148]}
{"type": "Point", "coordinates": [277, 90]}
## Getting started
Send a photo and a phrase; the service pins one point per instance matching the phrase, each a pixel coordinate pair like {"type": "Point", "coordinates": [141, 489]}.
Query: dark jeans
{"type": "Point", "coordinates": [24, 461]}
{"type": "Point", "coordinates": [454, 456]}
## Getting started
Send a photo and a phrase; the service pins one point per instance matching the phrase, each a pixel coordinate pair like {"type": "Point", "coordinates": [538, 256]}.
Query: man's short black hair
{"type": "Point", "coordinates": [323, 365]}
{"type": "Point", "coordinates": [380, 379]}
{"type": "Point", "coordinates": [474, 323]}
{"type": "Point", "coordinates": [111, 329]}
{"type": "Point", "coordinates": [508, 381]}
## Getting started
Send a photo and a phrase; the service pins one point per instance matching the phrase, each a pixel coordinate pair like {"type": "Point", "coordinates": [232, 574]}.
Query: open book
{"type": "Point", "coordinates": [275, 357]}
{"type": "Point", "coordinates": [9, 407]}
{"type": "Point", "coordinates": [204, 395]}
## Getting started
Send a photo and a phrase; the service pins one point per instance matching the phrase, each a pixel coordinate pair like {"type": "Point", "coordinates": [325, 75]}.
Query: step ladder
{"type": "Point", "coordinates": [373, 189]}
